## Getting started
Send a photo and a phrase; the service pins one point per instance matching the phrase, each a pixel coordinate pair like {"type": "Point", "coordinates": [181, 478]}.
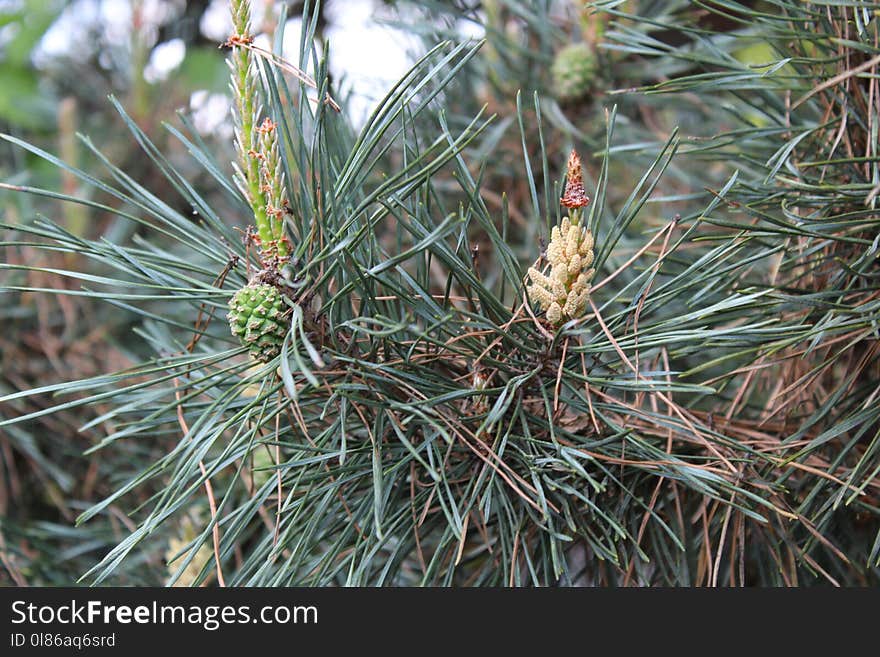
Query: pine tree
{"type": "Point", "coordinates": [444, 351]}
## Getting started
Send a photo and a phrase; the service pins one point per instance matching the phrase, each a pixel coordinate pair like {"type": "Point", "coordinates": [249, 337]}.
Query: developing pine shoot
{"type": "Point", "coordinates": [259, 172]}
{"type": "Point", "coordinates": [257, 313]}
{"type": "Point", "coordinates": [564, 292]}
{"type": "Point", "coordinates": [247, 109]}
{"type": "Point", "coordinates": [273, 189]}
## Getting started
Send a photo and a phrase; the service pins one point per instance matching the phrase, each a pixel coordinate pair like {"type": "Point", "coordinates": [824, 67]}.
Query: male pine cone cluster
{"type": "Point", "coordinates": [564, 292]}
{"type": "Point", "coordinates": [260, 319]}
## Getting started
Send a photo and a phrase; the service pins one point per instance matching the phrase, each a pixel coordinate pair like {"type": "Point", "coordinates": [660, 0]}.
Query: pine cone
{"type": "Point", "coordinates": [574, 71]}
{"type": "Point", "coordinates": [260, 319]}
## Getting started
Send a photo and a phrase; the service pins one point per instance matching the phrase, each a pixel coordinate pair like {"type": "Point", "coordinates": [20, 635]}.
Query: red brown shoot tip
{"type": "Point", "coordinates": [267, 126]}
{"type": "Point", "coordinates": [574, 196]}
{"type": "Point", "coordinates": [242, 40]}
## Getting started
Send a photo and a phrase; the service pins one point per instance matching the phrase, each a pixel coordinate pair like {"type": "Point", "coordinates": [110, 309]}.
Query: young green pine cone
{"type": "Point", "coordinates": [574, 71]}
{"type": "Point", "coordinates": [258, 316]}
{"type": "Point", "coordinates": [563, 294]}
